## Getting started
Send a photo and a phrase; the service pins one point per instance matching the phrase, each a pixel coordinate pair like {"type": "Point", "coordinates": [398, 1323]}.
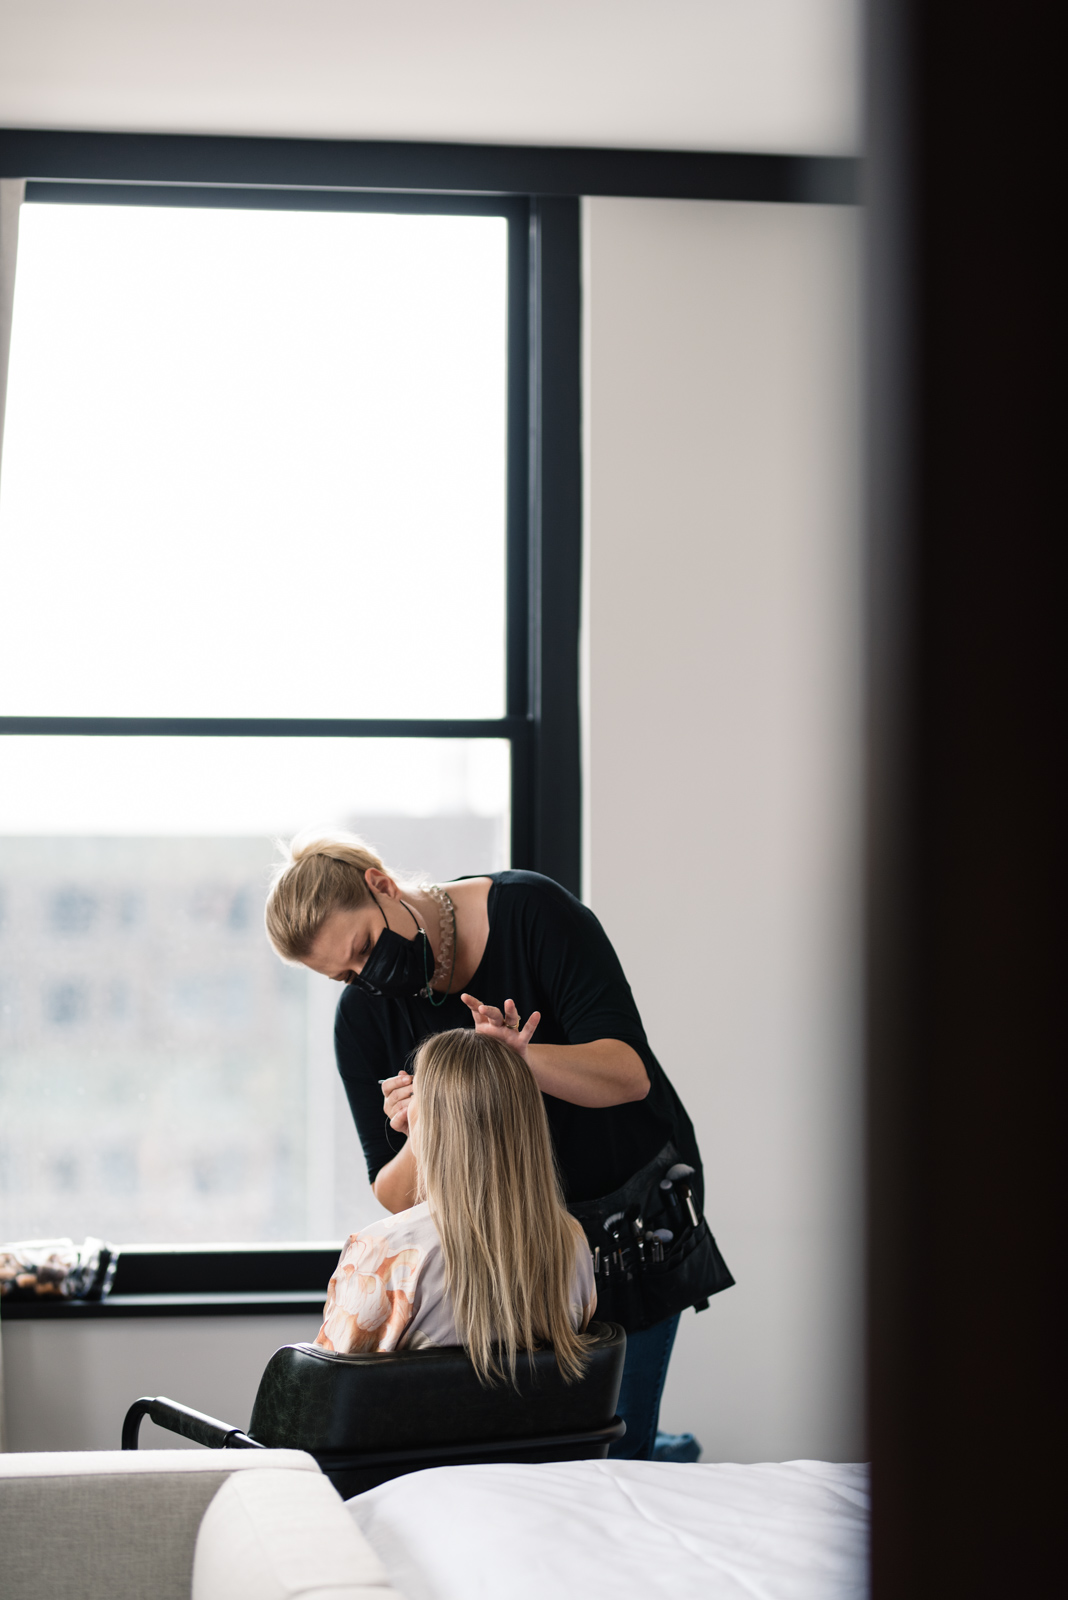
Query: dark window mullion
{"type": "Point", "coordinates": [267, 198]}
{"type": "Point", "coordinates": [555, 561]}
{"type": "Point", "coordinates": [518, 593]}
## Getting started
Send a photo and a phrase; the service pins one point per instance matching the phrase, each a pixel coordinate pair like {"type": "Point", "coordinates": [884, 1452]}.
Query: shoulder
{"type": "Point", "coordinates": [361, 1031]}
{"type": "Point", "coordinates": [386, 1237]}
{"type": "Point", "coordinates": [414, 1225]}
{"type": "Point", "coordinates": [372, 1295]}
{"type": "Point", "coordinates": [517, 884]}
{"type": "Point", "coordinates": [364, 1015]}
{"type": "Point", "coordinates": [542, 911]}
{"type": "Point", "coordinates": [530, 894]}
{"type": "Point", "coordinates": [353, 1005]}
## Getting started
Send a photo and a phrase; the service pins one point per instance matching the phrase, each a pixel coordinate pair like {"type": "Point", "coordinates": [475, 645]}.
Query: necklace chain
{"type": "Point", "coordinates": [446, 962]}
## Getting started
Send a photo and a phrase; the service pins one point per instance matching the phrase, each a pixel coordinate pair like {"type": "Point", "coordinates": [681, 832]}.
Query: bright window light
{"type": "Point", "coordinates": [73, 786]}
{"type": "Point", "coordinates": [254, 465]}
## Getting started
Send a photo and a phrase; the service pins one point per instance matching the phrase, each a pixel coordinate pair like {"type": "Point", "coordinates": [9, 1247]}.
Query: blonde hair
{"type": "Point", "coordinates": [486, 1166]}
{"type": "Point", "coordinates": [319, 875]}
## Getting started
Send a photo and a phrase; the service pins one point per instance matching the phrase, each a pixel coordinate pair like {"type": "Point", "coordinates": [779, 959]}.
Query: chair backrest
{"type": "Point", "coordinates": [312, 1399]}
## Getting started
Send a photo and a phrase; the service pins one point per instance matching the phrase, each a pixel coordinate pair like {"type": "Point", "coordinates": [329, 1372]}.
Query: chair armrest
{"type": "Point", "coordinates": [181, 1419]}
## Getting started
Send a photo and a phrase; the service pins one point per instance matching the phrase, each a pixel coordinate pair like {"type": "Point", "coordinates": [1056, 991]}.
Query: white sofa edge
{"type": "Point", "coordinates": [109, 1463]}
{"type": "Point", "coordinates": [164, 1524]}
{"type": "Point", "coordinates": [283, 1536]}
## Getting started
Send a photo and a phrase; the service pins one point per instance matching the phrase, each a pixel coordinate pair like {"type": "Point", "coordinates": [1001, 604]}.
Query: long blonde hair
{"type": "Point", "coordinates": [320, 874]}
{"type": "Point", "coordinates": [486, 1166]}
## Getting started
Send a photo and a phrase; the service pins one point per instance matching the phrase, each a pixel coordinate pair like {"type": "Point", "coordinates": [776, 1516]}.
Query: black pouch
{"type": "Point", "coordinates": [641, 1280]}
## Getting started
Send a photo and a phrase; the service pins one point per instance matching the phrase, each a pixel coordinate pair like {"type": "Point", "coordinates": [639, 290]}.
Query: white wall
{"type": "Point", "coordinates": [67, 1385]}
{"type": "Point", "coordinates": [682, 74]}
{"type": "Point", "coordinates": [721, 727]}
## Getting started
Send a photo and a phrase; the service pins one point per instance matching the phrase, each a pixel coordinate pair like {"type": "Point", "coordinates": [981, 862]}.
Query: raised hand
{"type": "Point", "coordinates": [503, 1025]}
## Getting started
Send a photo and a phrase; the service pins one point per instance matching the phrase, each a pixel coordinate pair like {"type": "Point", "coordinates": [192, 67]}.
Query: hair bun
{"type": "Point", "coordinates": [321, 871]}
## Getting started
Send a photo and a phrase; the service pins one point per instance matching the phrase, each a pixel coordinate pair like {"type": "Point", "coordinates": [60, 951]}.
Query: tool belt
{"type": "Point", "coordinates": [642, 1277]}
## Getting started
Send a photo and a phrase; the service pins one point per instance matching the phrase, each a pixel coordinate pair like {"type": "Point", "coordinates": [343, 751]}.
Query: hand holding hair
{"type": "Point", "coordinates": [396, 1093]}
{"type": "Point", "coordinates": [503, 1025]}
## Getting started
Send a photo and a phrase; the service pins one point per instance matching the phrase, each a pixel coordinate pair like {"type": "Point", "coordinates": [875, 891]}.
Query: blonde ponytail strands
{"type": "Point", "coordinates": [487, 1168]}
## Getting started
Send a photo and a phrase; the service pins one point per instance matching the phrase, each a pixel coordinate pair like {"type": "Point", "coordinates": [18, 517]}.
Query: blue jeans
{"type": "Point", "coordinates": [644, 1371]}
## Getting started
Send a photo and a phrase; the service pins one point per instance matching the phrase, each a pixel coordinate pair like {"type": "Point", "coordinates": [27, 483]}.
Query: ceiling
{"type": "Point", "coordinates": [684, 74]}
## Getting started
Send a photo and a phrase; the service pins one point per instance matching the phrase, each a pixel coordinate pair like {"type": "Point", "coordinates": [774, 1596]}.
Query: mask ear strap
{"type": "Point", "coordinates": [378, 903]}
{"type": "Point", "coordinates": [427, 963]}
{"type": "Point", "coordinates": [418, 926]}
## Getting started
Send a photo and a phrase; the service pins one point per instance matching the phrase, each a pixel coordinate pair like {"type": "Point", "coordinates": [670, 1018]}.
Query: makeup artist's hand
{"type": "Point", "coordinates": [503, 1025]}
{"type": "Point", "coordinates": [396, 1093]}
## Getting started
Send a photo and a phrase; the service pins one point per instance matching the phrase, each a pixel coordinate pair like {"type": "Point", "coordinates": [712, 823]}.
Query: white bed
{"type": "Point", "coordinates": [623, 1530]}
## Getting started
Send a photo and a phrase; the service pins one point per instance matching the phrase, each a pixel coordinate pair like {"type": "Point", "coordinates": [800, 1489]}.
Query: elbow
{"type": "Point", "coordinates": [391, 1192]}
{"type": "Point", "coordinates": [632, 1085]}
{"type": "Point", "coordinates": [626, 1093]}
{"type": "Point", "coordinates": [633, 1082]}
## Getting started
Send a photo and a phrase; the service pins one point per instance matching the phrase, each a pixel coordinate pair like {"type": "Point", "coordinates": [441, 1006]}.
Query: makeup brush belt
{"type": "Point", "coordinates": [653, 1252]}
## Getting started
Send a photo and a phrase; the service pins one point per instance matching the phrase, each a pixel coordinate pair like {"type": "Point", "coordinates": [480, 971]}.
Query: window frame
{"type": "Point", "coordinates": [541, 720]}
{"type": "Point", "coordinates": [540, 724]}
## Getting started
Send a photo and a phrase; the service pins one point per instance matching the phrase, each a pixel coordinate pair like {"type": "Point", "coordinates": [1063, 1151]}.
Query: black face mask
{"type": "Point", "coordinates": [397, 967]}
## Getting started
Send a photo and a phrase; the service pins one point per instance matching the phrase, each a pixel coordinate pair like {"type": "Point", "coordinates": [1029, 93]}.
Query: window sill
{"type": "Point", "coordinates": [249, 1304]}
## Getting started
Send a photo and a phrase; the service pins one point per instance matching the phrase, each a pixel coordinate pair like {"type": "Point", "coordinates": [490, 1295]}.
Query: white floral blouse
{"type": "Point", "coordinates": [388, 1289]}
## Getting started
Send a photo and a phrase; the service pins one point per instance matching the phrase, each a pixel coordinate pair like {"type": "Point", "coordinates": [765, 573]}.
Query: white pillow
{"type": "Point", "coordinates": [283, 1536]}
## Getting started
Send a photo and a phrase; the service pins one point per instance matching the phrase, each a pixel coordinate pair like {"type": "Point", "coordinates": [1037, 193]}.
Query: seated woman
{"type": "Point", "coordinates": [490, 1259]}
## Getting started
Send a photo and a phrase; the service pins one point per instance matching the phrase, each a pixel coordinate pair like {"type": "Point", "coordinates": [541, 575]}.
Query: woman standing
{"type": "Point", "coordinates": [513, 955]}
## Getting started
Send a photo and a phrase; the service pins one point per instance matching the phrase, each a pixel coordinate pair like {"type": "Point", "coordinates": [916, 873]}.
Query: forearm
{"type": "Point", "coordinates": [397, 1182]}
{"type": "Point", "coordinates": [605, 1072]}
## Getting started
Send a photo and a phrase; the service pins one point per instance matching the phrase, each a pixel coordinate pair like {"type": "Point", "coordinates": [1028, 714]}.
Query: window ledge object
{"type": "Point", "coordinates": [223, 1280]}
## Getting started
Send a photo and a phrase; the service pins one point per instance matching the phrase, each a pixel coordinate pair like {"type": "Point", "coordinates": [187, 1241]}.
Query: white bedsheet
{"type": "Point", "coordinates": [622, 1530]}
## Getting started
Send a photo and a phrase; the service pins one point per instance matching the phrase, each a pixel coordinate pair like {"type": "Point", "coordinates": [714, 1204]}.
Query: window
{"type": "Point", "coordinates": [163, 1076]}
{"type": "Point", "coordinates": [268, 559]}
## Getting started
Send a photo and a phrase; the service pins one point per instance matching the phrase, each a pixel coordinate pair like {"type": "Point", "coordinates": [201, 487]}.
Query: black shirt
{"type": "Point", "coordinates": [548, 953]}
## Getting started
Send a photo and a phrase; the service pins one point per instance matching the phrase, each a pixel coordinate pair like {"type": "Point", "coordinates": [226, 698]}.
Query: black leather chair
{"type": "Point", "coordinates": [368, 1418]}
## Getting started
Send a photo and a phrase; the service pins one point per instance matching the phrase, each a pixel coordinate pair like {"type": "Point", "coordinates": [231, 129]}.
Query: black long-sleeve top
{"type": "Point", "coordinates": [548, 953]}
